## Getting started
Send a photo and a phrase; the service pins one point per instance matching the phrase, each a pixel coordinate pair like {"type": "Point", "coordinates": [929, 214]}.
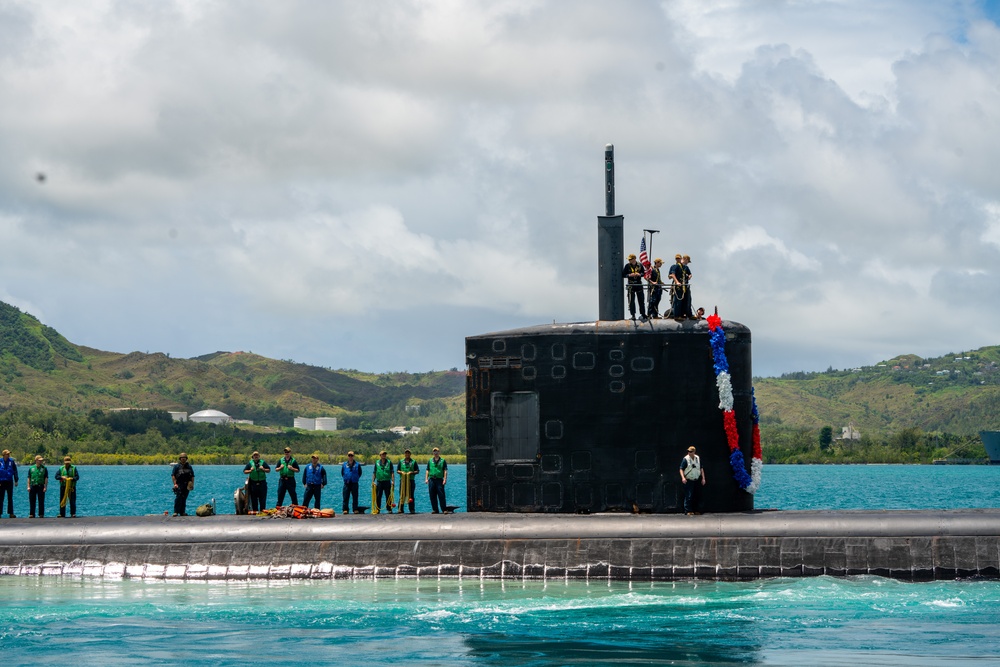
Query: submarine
{"type": "Point", "coordinates": [574, 437]}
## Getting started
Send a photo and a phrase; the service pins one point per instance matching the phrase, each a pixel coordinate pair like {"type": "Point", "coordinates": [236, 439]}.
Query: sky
{"type": "Point", "coordinates": [364, 184]}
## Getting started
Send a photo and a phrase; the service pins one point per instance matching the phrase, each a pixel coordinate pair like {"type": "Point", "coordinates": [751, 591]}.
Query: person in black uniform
{"type": "Point", "coordinates": [655, 289]}
{"type": "Point", "coordinates": [633, 272]}
{"type": "Point", "coordinates": [183, 478]}
{"type": "Point", "coordinates": [287, 467]}
{"type": "Point", "coordinates": [685, 260]}
{"type": "Point", "coordinates": [678, 290]}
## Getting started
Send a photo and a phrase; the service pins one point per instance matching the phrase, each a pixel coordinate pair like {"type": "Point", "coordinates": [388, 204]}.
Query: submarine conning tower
{"type": "Point", "coordinates": [596, 416]}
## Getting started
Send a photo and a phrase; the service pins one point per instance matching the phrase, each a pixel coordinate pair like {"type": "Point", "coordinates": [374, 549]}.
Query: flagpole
{"type": "Point", "coordinates": [651, 232]}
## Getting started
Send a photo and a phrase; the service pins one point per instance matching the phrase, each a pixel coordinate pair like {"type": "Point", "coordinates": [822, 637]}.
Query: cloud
{"type": "Point", "coordinates": [290, 177]}
{"type": "Point", "coordinates": [754, 238]}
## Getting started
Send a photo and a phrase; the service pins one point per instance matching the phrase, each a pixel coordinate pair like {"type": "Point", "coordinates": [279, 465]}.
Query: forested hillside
{"type": "Point", "coordinates": [55, 397]}
{"type": "Point", "coordinates": [906, 409]}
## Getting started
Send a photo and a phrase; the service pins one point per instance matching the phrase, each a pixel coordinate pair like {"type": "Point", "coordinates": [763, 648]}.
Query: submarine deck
{"type": "Point", "coordinates": [911, 544]}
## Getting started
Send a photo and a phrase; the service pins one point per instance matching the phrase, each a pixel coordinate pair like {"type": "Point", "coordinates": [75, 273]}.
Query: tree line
{"type": "Point", "coordinates": [909, 445]}
{"type": "Point", "coordinates": [152, 436]}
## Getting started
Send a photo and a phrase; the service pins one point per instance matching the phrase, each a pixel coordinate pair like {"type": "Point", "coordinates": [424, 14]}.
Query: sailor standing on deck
{"type": "Point", "coordinates": [314, 479]}
{"type": "Point", "coordinates": [655, 289]}
{"type": "Point", "coordinates": [678, 288]}
{"type": "Point", "coordinates": [350, 470]}
{"type": "Point", "coordinates": [633, 272]}
{"type": "Point", "coordinates": [407, 469]}
{"type": "Point", "coordinates": [68, 476]}
{"type": "Point", "coordinates": [256, 472]}
{"type": "Point", "coordinates": [384, 482]}
{"type": "Point", "coordinates": [287, 467]}
{"type": "Point", "coordinates": [183, 478]}
{"type": "Point", "coordinates": [38, 484]}
{"type": "Point", "coordinates": [8, 480]}
{"type": "Point", "coordinates": [693, 478]}
{"type": "Point", "coordinates": [686, 306]}
{"type": "Point", "coordinates": [436, 476]}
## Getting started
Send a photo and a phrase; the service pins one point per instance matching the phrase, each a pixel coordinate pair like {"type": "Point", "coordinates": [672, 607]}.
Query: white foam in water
{"type": "Point", "coordinates": [438, 615]}
{"type": "Point", "coordinates": [950, 603]}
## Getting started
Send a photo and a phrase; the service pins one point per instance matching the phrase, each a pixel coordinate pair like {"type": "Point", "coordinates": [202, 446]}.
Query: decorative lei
{"type": "Point", "coordinates": [748, 482]}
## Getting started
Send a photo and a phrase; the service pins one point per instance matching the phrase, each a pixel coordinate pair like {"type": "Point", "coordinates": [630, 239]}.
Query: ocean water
{"type": "Point", "coordinates": [814, 621]}
{"type": "Point", "coordinates": [141, 490]}
{"type": "Point", "coordinates": [826, 621]}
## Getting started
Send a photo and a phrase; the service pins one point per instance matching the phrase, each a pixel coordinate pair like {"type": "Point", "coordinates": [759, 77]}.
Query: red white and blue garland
{"type": "Point", "coordinates": [748, 482]}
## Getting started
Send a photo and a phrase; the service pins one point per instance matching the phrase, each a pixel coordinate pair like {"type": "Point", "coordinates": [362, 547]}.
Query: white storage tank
{"type": "Point", "coordinates": [210, 417]}
{"type": "Point", "coordinates": [326, 423]}
{"type": "Point", "coordinates": [305, 423]}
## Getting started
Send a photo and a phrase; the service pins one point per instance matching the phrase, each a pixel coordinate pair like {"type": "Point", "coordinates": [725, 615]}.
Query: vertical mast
{"type": "Point", "coordinates": [610, 248]}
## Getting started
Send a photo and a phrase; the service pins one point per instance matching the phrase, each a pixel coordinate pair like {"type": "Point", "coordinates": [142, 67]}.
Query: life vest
{"type": "Point", "coordinates": [405, 466]}
{"type": "Point", "coordinates": [8, 470]}
{"type": "Point", "coordinates": [436, 470]}
{"type": "Point", "coordinates": [67, 474]}
{"type": "Point", "coordinates": [693, 469]}
{"type": "Point", "coordinates": [37, 475]}
{"type": "Point", "coordinates": [350, 473]}
{"type": "Point", "coordinates": [184, 474]}
{"type": "Point", "coordinates": [383, 471]}
{"type": "Point", "coordinates": [286, 467]}
{"type": "Point", "coordinates": [257, 473]}
{"type": "Point", "coordinates": [313, 474]}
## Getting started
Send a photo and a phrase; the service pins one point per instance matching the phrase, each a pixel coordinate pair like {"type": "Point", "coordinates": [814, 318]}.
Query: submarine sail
{"type": "Point", "coordinates": [596, 416]}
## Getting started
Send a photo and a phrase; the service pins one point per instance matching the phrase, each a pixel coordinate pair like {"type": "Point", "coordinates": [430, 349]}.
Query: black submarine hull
{"type": "Point", "coordinates": [596, 417]}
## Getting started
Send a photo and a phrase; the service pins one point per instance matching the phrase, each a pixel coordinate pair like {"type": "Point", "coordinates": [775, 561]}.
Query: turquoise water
{"type": "Point", "coordinates": [139, 490]}
{"type": "Point", "coordinates": [816, 621]}
{"type": "Point", "coordinates": [868, 621]}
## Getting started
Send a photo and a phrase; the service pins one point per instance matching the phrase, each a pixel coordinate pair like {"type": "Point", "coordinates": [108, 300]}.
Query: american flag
{"type": "Point", "coordinates": [644, 259]}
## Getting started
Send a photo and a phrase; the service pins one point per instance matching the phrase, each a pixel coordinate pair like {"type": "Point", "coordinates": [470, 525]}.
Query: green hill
{"type": "Point", "coordinates": [906, 408]}
{"type": "Point", "coordinates": [25, 340]}
{"type": "Point", "coordinates": [40, 369]}
{"type": "Point", "coordinates": [56, 397]}
{"type": "Point", "coordinates": [956, 393]}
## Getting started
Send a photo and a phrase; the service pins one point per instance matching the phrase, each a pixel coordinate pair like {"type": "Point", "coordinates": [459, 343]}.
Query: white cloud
{"type": "Point", "coordinates": [752, 238]}
{"type": "Point", "coordinates": [855, 43]}
{"type": "Point", "coordinates": [317, 168]}
{"type": "Point", "coordinates": [370, 257]}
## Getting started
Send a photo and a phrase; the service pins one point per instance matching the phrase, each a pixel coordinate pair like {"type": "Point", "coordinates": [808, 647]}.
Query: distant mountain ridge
{"type": "Point", "coordinates": [40, 369]}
